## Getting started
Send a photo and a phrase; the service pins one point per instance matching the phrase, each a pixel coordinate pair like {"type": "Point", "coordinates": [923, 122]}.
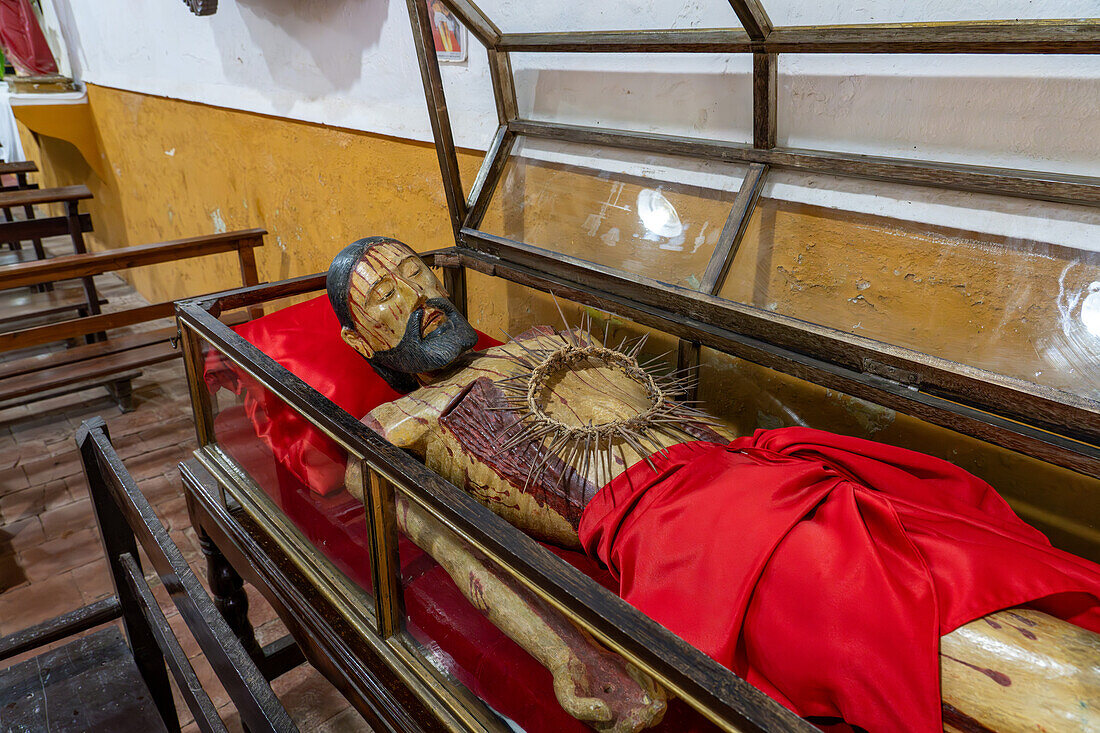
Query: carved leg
{"type": "Point", "coordinates": [15, 245]}
{"type": "Point", "coordinates": [227, 589]}
{"type": "Point", "coordinates": [123, 393]}
{"type": "Point", "coordinates": [1020, 670]}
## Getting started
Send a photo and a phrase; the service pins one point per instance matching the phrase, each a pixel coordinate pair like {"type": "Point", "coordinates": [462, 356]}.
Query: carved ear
{"type": "Point", "coordinates": [354, 340]}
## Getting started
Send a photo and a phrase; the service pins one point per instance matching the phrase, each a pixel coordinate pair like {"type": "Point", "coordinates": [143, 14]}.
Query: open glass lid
{"type": "Point", "coordinates": [903, 207]}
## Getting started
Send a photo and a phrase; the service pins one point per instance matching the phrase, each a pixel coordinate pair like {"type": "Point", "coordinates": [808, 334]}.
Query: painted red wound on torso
{"type": "Point", "coordinates": [480, 427]}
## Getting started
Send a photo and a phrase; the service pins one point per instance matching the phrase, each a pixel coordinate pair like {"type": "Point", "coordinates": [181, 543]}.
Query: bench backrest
{"type": "Point", "coordinates": [126, 519]}
{"type": "Point", "coordinates": [67, 267]}
{"type": "Point", "coordinates": [70, 267]}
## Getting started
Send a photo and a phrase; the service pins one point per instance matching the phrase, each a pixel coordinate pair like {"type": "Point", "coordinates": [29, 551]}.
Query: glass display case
{"type": "Point", "coordinates": [953, 305]}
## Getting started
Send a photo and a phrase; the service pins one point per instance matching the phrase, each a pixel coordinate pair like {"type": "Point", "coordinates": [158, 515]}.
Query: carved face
{"type": "Point", "coordinates": [403, 320]}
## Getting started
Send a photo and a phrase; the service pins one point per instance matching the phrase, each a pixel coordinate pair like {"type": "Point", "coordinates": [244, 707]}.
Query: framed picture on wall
{"type": "Point", "coordinates": [449, 34]}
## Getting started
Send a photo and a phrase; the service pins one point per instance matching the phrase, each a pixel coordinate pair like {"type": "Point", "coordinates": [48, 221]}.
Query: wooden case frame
{"type": "Point", "coordinates": [375, 624]}
{"type": "Point", "coordinates": [1054, 426]}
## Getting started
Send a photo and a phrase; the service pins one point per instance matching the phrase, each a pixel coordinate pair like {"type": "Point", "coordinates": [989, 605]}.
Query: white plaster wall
{"type": "Point", "coordinates": [351, 63]}
{"type": "Point", "coordinates": [348, 63]}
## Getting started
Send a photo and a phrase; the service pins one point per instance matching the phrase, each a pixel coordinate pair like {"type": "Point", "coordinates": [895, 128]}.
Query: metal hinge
{"type": "Point", "coordinates": [904, 377]}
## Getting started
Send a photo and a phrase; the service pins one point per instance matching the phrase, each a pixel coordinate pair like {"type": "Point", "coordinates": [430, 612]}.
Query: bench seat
{"type": "Point", "coordinates": [113, 362]}
{"type": "Point", "coordinates": [88, 684]}
{"type": "Point", "coordinates": [112, 354]}
{"type": "Point", "coordinates": [65, 297]}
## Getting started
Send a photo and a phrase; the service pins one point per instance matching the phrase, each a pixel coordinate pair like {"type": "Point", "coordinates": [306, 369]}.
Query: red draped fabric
{"type": "Point", "coordinates": [305, 338]}
{"type": "Point", "coordinates": [823, 569]}
{"type": "Point", "coordinates": [23, 40]}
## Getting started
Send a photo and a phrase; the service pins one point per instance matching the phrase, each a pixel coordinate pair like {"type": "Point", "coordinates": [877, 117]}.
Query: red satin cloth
{"type": "Point", "coordinates": [823, 569]}
{"type": "Point", "coordinates": [305, 338]}
{"type": "Point", "coordinates": [23, 40]}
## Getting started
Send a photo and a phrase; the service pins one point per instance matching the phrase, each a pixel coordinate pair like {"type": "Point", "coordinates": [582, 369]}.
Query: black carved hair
{"type": "Point", "coordinates": [338, 281]}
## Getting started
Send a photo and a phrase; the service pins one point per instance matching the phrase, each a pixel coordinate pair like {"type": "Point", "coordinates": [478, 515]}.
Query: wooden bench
{"type": "Point", "coordinates": [73, 223]}
{"type": "Point", "coordinates": [110, 361]}
{"type": "Point", "coordinates": [104, 681]}
{"type": "Point", "coordinates": [19, 169]}
{"type": "Point", "coordinates": [63, 298]}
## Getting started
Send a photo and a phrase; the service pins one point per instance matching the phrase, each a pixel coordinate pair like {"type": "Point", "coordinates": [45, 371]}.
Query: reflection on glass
{"type": "Point", "coordinates": [299, 468]}
{"type": "Point", "coordinates": [1090, 310]}
{"type": "Point", "coordinates": [656, 216]}
{"type": "Point", "coordinates": [1063, 504]}
{"type": "Point", "coordinates": [660, 218]}
{"type": "Point", "coordinates": [1005, 285]}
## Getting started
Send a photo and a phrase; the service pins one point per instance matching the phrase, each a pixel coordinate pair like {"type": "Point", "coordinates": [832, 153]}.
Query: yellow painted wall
{"type": "Point", "coordinates": [179, 169]}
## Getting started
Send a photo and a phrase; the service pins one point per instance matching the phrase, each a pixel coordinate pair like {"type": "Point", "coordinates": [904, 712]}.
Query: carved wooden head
{"type": "Point", "coordinates": [394, 311]}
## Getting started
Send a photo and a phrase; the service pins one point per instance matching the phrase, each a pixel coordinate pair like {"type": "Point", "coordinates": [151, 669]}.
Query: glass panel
{"type": "Point", "coordinates": [652, 215]}
{"type": "Point", "coordinates": [469, 94]}
{"type": "Point", "coordinates": [1063, 504]}
{"type": "Point", "coordinates": [513, 16]}
{"type": "Point", "coordinates": [1007, 285]}
{"type": "Point", "coordinates": [645, 92]}
{"type": "Point", "coordinates": [797, 12]}
{"type": "Point", "coordinates": [1035, 112]}
{"type": "Point", "coordinates": [448, 623]}
{"type": "Point", "coordinates": [295, 464]}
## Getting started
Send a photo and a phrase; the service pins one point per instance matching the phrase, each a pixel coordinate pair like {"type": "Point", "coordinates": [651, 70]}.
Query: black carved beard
{"type": "Point", "coordinates": [415, 354]}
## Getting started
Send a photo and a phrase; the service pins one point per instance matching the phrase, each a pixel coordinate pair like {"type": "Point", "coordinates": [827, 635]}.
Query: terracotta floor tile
{"type": "Point", "coordinates": [49, 468]}
{"type": "Point", "coordinates": [93, 580]}
{"type": "Point", "coordinates": [58, 493]}
{"type": "Point", "coordinates": [308, 697]}
{"type": "Point", "coordinates": [187, 641]}
{"type": "Point", "coordinates": [119, 425]}
{"type": "Point", "coordinates": [76, 486]}
{"type": "Point", "coordinates": [259, 611]}
{"type": "Point", "coordinates": [210, 682]}
{"type": "Point", "coordinates": [9, 457]}
{"type": "Point", "coordinates": [21, 534]}
{"type": "Point", "coordinates": [346, 721]}
{"type": "Point", "coordinates": [68, 519]}
{"type": "Point", "coordinates": [29, 502]}
{"type": "Point", "coordinates": [51, 558]}
{"type": "Point", "coordinates": [38, 601]}
{"type": "Point", "coordinates": [174, 513]}
{"type": "Point", "coordinates": [14, 480]}
{"type": "Point", "coordinates": [187, 548]}
{"type": "Point", "coordinates": [268, 632]}
{"type": "Point", "coordinates": [59, 555]}
{"type": "Point", "coordinates": [154, 462]}
{"type": "Point", "coordinates": [162, 488]}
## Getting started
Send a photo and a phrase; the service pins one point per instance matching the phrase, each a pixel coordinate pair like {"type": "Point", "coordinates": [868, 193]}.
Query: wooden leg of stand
{"type": "Point", "coordinates": [227, 589]}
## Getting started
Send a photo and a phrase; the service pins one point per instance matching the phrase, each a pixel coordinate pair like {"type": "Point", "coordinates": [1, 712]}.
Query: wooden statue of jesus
{"type": "Point", "coordinates": [580, 445]}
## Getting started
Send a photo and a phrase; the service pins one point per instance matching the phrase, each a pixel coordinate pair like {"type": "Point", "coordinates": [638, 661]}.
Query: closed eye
{"type": "Point", "coordinates": [383, 290]}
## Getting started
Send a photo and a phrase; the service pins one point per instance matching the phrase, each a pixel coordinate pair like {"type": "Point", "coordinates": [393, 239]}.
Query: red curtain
{"type": "Point", "coordinates": [22, 39]}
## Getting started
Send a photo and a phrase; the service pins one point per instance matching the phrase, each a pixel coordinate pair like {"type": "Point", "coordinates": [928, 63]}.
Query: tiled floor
{"type": "Point", "coordinates": [51, 560]}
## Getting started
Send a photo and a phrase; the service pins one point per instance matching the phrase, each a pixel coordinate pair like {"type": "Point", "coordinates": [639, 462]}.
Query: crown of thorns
{"type": "Point", "coordinates": [587, 448]}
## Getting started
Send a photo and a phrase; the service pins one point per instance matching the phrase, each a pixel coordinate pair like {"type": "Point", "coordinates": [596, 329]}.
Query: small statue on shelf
{"type": "Point", "coordinates": [845, 578]}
